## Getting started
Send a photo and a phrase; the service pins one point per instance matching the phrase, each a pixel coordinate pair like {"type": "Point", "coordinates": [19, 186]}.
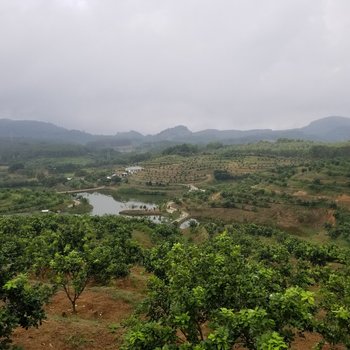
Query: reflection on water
{"type": "Point", "coordinates": [106, 204]}
{"type": "Point", "coordinates": [158, 219]}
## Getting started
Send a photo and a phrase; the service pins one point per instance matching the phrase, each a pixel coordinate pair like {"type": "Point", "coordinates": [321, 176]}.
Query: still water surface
{"type": "Point", "coordinates": [106, 204]}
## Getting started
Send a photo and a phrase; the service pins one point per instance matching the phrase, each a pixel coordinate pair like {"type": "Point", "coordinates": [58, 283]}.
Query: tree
{"type": "Point", "coordinates": [242, 300]}
{"type": "Point", "coordinates": [84, 250]}
{"type": "Point", "coordinates": [21, 304]}
{"type": "Point", "coordinates": [335, 293]}
{"type": "Point", "coordinates": [70, 271]}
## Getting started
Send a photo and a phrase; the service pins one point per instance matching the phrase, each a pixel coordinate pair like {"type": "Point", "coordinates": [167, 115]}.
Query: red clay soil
{"type": "Point", "coordinates": [95, 326]}
{"type": "Point", "coordinates": [343, 200]}
{"type": "Point", "coordinates": [89, 329]}
{"type": "Point", "coordinates": [308, 342]}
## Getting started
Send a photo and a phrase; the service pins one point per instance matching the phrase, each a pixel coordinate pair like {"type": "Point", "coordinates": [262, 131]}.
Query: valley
{"type": "Point", "coordinates": [280, 209]}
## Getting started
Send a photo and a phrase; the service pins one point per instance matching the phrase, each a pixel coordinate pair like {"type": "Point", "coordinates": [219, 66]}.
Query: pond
{"type": "Point", "coordinates": [106, 204]}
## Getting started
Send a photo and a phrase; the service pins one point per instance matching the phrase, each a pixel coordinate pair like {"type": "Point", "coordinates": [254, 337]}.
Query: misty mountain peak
{"type": "Point", "coordinates": [178, 131]}
{"type": "Point", "coordinates": [328, 125]}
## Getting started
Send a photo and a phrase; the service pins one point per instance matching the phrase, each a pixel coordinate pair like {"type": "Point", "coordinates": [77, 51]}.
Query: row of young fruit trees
{"type": "Point", "coordinates": [246, 285]}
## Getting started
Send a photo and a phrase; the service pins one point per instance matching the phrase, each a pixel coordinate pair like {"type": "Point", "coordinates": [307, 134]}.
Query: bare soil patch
{"type": "Point", "coordinates": [344, 199]}
{"type": "Point", "coordinates": [96, 325]}
{"type": "Point", "coordinates": [86, 330]}
{"type": "Point", "coordinates": [309, 340]}
{"type": "Point", "coordinates": [300, 194]}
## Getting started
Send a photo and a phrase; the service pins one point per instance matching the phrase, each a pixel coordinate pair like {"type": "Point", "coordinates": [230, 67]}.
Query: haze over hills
{"type": "Point", "coordinates": [37, 130]}
{"type": "Point", "coordinates": [329, 129]}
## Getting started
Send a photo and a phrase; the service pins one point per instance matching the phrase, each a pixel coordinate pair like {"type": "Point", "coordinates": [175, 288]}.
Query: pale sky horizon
{"type": "Point", "coordinates": [107, 66]}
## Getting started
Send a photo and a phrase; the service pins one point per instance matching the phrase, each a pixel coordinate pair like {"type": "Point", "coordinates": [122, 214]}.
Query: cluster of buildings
{"type": "Point", "coordinates": [131, 170]}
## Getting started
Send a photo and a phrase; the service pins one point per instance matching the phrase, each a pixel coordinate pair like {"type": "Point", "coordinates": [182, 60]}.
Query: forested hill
{"type": "Point", "coordinates": [37, 130]}
{"type": "Point", "coordinates": [330, 129]}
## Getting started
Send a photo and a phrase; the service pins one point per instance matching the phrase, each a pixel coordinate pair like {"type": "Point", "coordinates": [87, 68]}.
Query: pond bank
{"type": "Point", "coordinates": [92, 189]}
{"type": "Point", "coordinates": [140, 212]}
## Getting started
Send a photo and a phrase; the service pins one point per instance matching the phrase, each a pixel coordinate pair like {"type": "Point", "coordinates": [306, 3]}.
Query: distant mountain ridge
{"type": "Point", "coordinates": [329, 129]}
{"type": "Point", "coordinates": [172, 134]}
{"type": "Point", "coordinates": [37, 130]}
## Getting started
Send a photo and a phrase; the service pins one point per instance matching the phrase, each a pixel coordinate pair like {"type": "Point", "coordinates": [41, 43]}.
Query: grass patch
{"type": "Point", "coordinates": [77, 341]}
{"type": "Point", "coordinates": [142, 238]}
{"type": "Point", "coordinates": [130, 297]}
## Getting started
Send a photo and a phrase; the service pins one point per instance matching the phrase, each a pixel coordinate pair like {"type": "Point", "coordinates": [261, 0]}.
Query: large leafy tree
{"type": "Point", "coordinates": [70, 251]}
{"type": "Point", "coordinates": [21, 303]}
{"type": "Point", "coordinates": [214, 296]}
{"type": "Point", "coordinates": [84, 250]}
{"type": "Point", "coordinates": [335, 301]}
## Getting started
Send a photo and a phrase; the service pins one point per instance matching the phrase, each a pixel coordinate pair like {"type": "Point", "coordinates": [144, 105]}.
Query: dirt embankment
{"type": "Point", "coordinates": [140, 212]}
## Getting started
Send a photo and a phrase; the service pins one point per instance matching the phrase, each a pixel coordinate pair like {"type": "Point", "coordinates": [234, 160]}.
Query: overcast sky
{"type": "Point", "coordinates": [105, 66]}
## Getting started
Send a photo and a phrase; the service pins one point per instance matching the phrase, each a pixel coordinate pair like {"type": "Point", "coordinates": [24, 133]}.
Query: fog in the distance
{"type": "Point", "coordinates": [105, 66]}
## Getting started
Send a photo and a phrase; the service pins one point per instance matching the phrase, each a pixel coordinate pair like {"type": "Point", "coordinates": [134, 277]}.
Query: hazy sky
{"type": "Point", "coordinates": [113, 65]}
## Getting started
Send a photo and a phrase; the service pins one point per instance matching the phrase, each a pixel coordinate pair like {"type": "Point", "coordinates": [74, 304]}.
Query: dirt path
{"type": "Point", "coordinates": [183, 216]}
{"type": "Point", "coordinates": [191, 187]}
{"type": "Point", "coordinates": [172, 208]}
